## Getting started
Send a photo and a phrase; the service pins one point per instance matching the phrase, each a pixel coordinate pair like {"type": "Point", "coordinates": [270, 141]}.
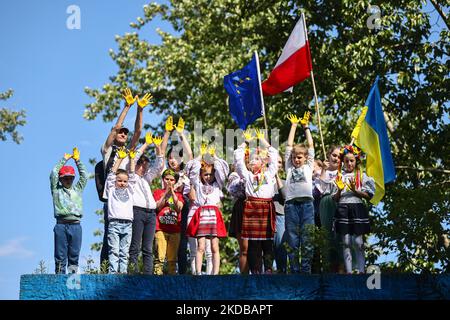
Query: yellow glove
{"type": "Point", "coordinates": [248, 135]}
{"type": "Point", "coordinates": [212, 151]}
{"type": "Point", "coordinates": [148, 138]}
{"type": "Point", "coordinates": [304, 121]}
{"type": "Point", "coordinates": [67, 156]}
{"type": "Point", "coordinates": [122, 153]}
{"type": "Point", "coordinates": [259, 134]}
{"type": "Point", "coordinates": [180, 125]}
{"type": "Point", "coordinates": [339, 183]}
{"type": "Point", "coordinates": [157, 141]}
{"type": "Point", "coordinates": [129, 97]}
{"type": "Point", "coordinates": [203, 149]}
{"type": "Point", "coordinates": [169, 124]}
{"type": "Point", "coordinates": [76, 154]}
{"type": "Point", "coordinates": [293, 118]}
{"type": "Point", "coordinates": [145, 100]}
{"type": "Point", "coordinates": [132, 154]}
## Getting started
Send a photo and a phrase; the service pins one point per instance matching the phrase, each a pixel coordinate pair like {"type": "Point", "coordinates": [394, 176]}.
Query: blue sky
{"type": "Point", "coordinates": [48, 66]}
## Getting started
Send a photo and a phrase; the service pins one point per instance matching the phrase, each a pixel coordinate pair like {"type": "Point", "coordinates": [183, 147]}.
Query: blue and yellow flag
{"type": "Point", "coordinates": [244, 91]}
{"type": "Point", "coordinates": [372, 138]}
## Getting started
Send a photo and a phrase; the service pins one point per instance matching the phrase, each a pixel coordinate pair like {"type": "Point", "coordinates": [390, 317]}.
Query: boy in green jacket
{"type": "Point", "coordinates": [68, 209]}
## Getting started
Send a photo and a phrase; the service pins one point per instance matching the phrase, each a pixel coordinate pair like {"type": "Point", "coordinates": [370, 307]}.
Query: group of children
{"type": "Point", "coordinates": [186, 210]}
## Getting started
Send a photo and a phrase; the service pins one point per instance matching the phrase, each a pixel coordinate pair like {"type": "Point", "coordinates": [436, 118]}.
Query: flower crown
{"type": "Point", "coordinates": [350, 149]}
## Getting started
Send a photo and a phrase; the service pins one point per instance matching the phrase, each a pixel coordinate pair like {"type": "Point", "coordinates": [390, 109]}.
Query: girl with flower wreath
{"type": "Point", "coordinates": [351, 217]}
{"type": "Point", "coordinates": [205, 221]}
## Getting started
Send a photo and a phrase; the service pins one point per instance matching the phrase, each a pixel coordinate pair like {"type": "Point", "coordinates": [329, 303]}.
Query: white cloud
{"type": "Point", "coordinates": [15, 248]}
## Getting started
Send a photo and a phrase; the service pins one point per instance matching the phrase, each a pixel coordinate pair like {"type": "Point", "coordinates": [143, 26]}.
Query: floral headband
{"type": "Point", "coordinates": [350, 149]}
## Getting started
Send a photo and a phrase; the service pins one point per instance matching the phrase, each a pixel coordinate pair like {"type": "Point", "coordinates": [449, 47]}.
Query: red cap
{"type": "Point", "coordinates": [67, 171]}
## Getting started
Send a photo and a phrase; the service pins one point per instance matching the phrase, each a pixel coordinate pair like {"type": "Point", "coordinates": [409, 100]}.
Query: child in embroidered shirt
{"type": "Point", "coordinates": [120, 188]}
{"type": "Point", "coordinates": [205, 219]}
{"type": "Point", "coordinates": [352, 219]}
{"type": "Point", "coordinates": [258, 222]}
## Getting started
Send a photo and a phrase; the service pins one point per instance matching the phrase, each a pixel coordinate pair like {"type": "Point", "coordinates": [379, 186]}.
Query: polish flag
{"type": "Point", "coordinates": [294, 65]}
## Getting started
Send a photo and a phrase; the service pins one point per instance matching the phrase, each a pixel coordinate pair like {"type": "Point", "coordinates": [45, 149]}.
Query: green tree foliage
{"type": "Point", "coordinates": [10, 120]}
{"type": "Point", "coordinates": [408, 51]}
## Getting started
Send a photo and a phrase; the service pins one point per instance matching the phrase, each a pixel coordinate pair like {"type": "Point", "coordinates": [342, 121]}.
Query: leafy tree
{"type": "Point", "coordinates": [10, 120]}
{"type": "Point", "coordinates": [409, 51]}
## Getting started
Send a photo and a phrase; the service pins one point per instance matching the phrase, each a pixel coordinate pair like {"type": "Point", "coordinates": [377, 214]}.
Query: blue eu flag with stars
{"type": "Point", "coordinates": [244, 93]}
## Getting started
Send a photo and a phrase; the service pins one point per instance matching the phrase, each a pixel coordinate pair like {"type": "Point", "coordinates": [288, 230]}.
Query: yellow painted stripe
{"type": "Point", "coordinates": [368, 141]}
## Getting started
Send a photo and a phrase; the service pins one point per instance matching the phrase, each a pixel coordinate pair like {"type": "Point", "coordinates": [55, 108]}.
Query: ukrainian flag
{"type": "Point", "coordinates": [372, 138]}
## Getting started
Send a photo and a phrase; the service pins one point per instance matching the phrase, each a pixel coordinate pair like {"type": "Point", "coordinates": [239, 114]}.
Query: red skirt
{"type": "Point", "coordinates": [258, 222]}
{"type": "Point", "coordinates": [195, 229]}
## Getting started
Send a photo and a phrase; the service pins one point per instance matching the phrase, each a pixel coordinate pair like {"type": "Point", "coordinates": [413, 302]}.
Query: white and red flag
{"type": "Point", "coordinates": [294, 64]}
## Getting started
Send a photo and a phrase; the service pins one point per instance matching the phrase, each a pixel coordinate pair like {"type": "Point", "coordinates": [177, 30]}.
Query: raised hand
{"type": "Point", "coordinates": [351, 184]}
{"type": "Point", "coordinates": [248, 135]}
{"type": "Point", "coordinates": [145, 100]}
{"type": "Point", "coordinates": [132, 154]}
{"type": "Point", "coordinates": [212, 151]}
{"type": "Point", "coordinates": [76, 154]}
{"type": "Point", "coordinates": [305, 120]}
{"type": "Point", "coordinates": [339, 183]}
{"type": "Point", "coordinates": [180, 125]}
{"type": "Point", "coordinates": [148, 138]}
{"type": "Point", "coordinates": [203, 149]}
{"type": "Point", "coordinates": [129, 97]}
{"type": "Point", "coordinates": [169, 124]}
{"type": "Point", "coordinates": [259, 134]}
{"type": "Point", "coordinates": [67, 156]}
{"type": "Point", "coordinates": [157, 141]}
{"type": "Point", "coordinates": [293, 118]}
{"type": "Point", "coordinates": [122, 153]}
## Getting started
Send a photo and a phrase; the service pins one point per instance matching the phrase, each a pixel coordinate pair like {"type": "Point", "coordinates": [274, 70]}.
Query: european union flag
{"type": "Point", "coordinates": [244, 93]}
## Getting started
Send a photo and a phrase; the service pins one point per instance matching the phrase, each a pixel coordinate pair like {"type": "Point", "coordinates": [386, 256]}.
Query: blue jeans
{"type": "Point", "coordinates": [119, 238]}
{"type": "Point", "coordinates": [299, 218]}
{"type": "Point", "coordinates": [278, 244]}
{"type": "Point", "coordinates": [67, 246]}
{"type": "Point", "coordinates": [144, 225]}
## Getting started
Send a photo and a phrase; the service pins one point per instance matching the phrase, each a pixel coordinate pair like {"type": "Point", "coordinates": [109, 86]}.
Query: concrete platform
{"type": "Point", "coordinates": [235, 287]}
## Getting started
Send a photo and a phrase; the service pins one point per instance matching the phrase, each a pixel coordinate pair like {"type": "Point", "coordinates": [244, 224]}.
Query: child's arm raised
{"type": "Point", "coordinates": [122, 154]}
{"type": "Point", "coordinates": [273, 153]}
{"type": "Point", "coordinates": [294, 123]}
{"type": "Point", "coordinates": [221, 168]}
{"type": "Point", "coordinates": [239, 155]}
{"type": "Point", "coordinates": [169, 127]}
{"type": "Point", "coordinates": [157, 166]}
{"type": "Point", "coordinates": [81, 184]}
{"type": "Point", "coordinates": [186, 145]}
{"type": "Point", "coordinates": [305, 121]}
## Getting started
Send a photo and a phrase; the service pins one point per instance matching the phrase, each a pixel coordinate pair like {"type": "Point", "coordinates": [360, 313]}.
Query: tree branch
{"type": "Point", "coordinates": [441, 13]}
{"type": "Point", "coordinates": [423, 169]}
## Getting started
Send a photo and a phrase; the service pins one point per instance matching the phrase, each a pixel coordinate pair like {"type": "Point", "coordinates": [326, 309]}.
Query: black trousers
{"type": "Point", "coordinates": [182, 248]}
{"type": "Point", "coordinates": [104, 254]}
{"type": "Point", "coordinates": [259, 251]}
{"type": "Point", "coordinates": [144, 226]}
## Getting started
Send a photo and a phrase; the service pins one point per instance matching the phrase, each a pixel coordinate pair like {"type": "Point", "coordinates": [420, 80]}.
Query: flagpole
{"type": "Point", "coordinates": [261, 93]}
{"type": "Point", "coordinates": [315, 93]}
